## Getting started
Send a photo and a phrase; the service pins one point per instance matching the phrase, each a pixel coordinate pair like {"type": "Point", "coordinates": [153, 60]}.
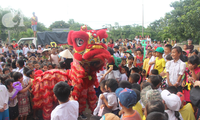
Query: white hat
{"type": "Point", "coordinates": [172, 101]}
{"type": "Point", "coordinates": [45, 50]}
{"type": "Point", "coordinates": [39, 45]}
{"type": "Point", "coordinates": [66, 54]}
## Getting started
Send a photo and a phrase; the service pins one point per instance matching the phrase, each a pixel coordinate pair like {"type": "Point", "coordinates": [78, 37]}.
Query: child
{"type": "Point", "coordinates": [167, 50]}
{"type": "Point", "coordinates": [154, 106]}
{"type": "Point", "coordinates": [152, 61]}
{"type": "Point", "coordinates": [146, 65]}
{"type": "Point", "coordinates": [22, 97]}
{"type": "Point", "coordinates": [128, 53]}
{"type": "Point", "coordinates": [112, 68]}
{"type": "Point", "coordinates": [127, 99]}
{"type": "Point", "coordinates": [19, 50]}
{"type": "Point", "coordinates": [4, 96]}
{"type": "Point", "coordinates": [124, 73]}
{"type": "Point", "coordinates": [156, 116]}
{"type": "Point", "coordinates": [121, 51]}
{"type": "Point", "coordinates": [175, 68]}
{"type": "Point", "coordinates": [44, 67]}
{"type": "Point", "coordinates": [130, 62]}
{"type": "Point", "coordinates": [67, 108]}
{"type": "Point", "coordinates": [54, 56]}
{"type": "Point", "coordinates": [13, 103]}
{"type": "Point", "coordinates": [192, 75]}
{"type": "Point", "coordinates": [111, 103]}
{"type": "Point", "coordinates": [6, 71]}
{"type": "Point", "coordinates": [138, 106]}
{"type": "Point", "coordinates": [30, 74]}
{"type": "Point", "coordinates": [125, 84]}
{"type": "Point", "coordinates": [25, 77]}
{"type": "Point", "coordinates": [116, 50]}
{"type": "Point", "coordinates": [134, 78]}
{"type": "Point", "coordinates": [187, 110]}
{"type": "Point", "coordinates": [123, 63]}
{"type": "Point", "coordinates": [135, 70]}
{"type": "Point", "coordinates": [109, 116]}
{"type": "Point", "coordinates": [50, 66]}
{"type": "Point", "coordinates": [172, 89]}
{"type": "Point", "coordinates": [172, 105]}
{"type": "Point", "coordinates": [143, 75]}
{"type": "Point", "coordinates": [25, 50]}
{"type": "Point", "coordinates": [139, 58]}
{"type": "Point", "coordinates": [185, 49]}
{"type": "Point", "coordinates": [36, 65]}
{"type": "Point", "coordinates": [160, 61]}
{"type": "Point", "coordinates": [155, 80]}
{"type": "Point", "coordinates": [20, 66]}
{"type": "Point", "coordinates": [159, 44]}
{"type": "Point", "coordinates": [154, 72]}
{"type": "Point", "coordinates": [100, 102]}
{"type": "Point", "coordinates": [29, 64]}
{"type": "Point", "coordinates": [195, 52]}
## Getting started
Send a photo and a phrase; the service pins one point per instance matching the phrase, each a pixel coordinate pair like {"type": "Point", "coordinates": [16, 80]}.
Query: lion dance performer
{"type": "Point", "coordinates": [89, 57]}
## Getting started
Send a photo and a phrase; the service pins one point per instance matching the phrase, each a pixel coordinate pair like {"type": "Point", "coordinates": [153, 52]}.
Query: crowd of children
{"type": "Point", "coordinates": [152, 82]}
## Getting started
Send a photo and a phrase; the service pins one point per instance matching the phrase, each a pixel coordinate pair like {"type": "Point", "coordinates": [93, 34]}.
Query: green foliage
{"type": "Point", "coordinates": [59, 24]}
{"type": "Point", "coordinates": [181, 23]}
{"type": "Point", "coordinates": [129, 31]}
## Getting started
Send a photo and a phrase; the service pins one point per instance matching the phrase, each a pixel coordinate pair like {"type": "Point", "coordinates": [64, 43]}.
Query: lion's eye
{"type": "Point", "coordinates": [79, 42]}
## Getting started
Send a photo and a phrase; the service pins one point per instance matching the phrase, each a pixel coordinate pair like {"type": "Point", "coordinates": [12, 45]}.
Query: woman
{"type": "Point", "coordinates": [33, 50]}
{"type": "Point", "coordinates": [45, 56]}
{"type": "Point", "coordinates": [149, 39]}
{"type": "Point", "coordinates": [10, 51]}
{"type": "Point", "coordinates": [39, 49]}
{"type": "Point", "coordinates": [111, 44]}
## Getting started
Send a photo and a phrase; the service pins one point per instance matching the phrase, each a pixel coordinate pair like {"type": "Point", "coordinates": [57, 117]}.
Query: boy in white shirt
{"type": "Point", "coordinates": [111, 103]}
{"type": "Point", "coordinates": [4, 97]}
{"type": "Point", "coordinates": [67, 108]}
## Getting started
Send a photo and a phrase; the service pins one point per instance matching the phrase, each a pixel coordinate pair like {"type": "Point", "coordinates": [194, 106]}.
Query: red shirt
{"type": "Point", "coordinates": [15, 45]}
{"type": "Point", "coordinates": [110, 45]}
{"type": "Point", "coordinates": [139, 61]}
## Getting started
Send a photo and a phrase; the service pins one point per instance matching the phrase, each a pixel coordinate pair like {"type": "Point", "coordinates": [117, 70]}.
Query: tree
{"type": "Point", "coordinates": [59, 24]}
{"type": "Point", "coordinates": [181, 23]}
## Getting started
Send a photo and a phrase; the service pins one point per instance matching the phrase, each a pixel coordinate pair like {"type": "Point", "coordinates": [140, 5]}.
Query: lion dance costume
{"type": "Point", "coordinates": [90, 56]}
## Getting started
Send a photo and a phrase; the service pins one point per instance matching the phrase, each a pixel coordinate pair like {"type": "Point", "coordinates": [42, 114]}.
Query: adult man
{"type": "Point", "coordinates": [34, 21]}
{"type": "Point", "coordinates": [190, 46]}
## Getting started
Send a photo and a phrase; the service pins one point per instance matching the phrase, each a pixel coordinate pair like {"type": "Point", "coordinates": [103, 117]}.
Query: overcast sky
{"type": "Point", "coordinates": [92, 12]}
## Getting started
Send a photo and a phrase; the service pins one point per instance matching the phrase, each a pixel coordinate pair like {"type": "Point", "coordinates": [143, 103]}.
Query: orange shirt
{"type": "Point", "coordinates": [134, 116]}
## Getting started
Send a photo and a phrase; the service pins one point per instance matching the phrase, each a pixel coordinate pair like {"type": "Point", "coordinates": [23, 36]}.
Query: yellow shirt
{"type": "Point", "coordinates": [138, 108]}
{"type": "Point", "coordinates": [165, 71]}
{"type": "Point", "coordinates": [159, 65]}
{"type": "Point", "coordinates": [187, 112]}
{"type": "Point", "coordinates": [146, 65]}
{"type": "Point", "coordinates": [143, 118]}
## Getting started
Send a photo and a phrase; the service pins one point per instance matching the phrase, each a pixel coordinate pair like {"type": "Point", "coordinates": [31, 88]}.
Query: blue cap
{"type": "Point", "coordinates": [127, 97]}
